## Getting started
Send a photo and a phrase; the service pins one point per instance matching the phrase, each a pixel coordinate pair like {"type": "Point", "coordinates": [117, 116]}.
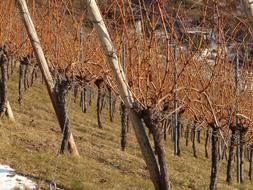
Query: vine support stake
{"type": "Point", "coordinates": [24, 12]}
{"type": "Point", "coordinates": [125, 92]}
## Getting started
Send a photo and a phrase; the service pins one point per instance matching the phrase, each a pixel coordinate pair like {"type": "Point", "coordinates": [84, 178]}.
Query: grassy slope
{"type": "Point", "coordinates": [31, 144]}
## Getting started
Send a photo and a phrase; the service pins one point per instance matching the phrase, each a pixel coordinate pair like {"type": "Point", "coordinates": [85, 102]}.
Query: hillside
{"type": "Point", "coordinates": [31, 144]}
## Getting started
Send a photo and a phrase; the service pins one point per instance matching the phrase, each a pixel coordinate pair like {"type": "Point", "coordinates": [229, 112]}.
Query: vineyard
{"type": "Point", "coordinates": [142, 91]}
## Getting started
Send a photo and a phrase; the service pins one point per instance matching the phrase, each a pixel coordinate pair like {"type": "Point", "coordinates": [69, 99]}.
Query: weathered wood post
{"type": "Point", "coordinates": [125, 93]}
{"type": "Point", "coordinates": [237, 93]}
{"type": "Point", "coordinates": [44, 69]}
{"type": "Point", "coordinates": [176, 126]}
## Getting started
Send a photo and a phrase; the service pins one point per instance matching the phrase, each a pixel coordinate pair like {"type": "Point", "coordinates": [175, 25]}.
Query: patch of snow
{"type": "Point", "coordinates": [9, 179]}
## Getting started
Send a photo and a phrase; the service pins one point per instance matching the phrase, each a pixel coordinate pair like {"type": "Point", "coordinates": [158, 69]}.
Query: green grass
{"type": "Point", "coordinates": [31, 144]}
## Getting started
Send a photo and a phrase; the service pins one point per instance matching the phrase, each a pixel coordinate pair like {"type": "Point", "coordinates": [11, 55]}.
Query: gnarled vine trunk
{"type": "Point", "coordinates": [98, 83]}
{"type": "Point", "coordinates": [5, 108]}
{"type": "Point", "coordinates": [22, 67]}
{"type": "Point", "coordinates": [206, 143]}
{"type": "Point", "coordinates": [194, 141]}
{"type": "Point", "coordinates": [152, 122]}
{"type": "Point", "coordinates": [83, 100]}
{"type": "Point", "coordinates": [3, 82]}
{"type": "Point", "coordinates": [187, 131]}
{"type": "Point", "coordinates": [224, 152]}
{"type": "Point", "coordinates": [111, 111]}
{"type": "Point", "coordinates": [250, 163]}
{"type": "Point", "coordinates": [242, 132]}
{"type": "Point", "coordinates": [215, 159]}
{"type": "Point", "coordinates": [26, 78]}
{"type": "Point", "coordinates": [61, 90]}
{"type": "Point", "coordinates": [231, 154]}
{"type": "Point", "coordinates": [34, 73]}
{"type": "Point", "coordinates": [124, 126]}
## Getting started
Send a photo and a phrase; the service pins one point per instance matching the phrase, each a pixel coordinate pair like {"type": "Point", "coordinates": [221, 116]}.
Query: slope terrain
{"type": "Point", "coordinates": [30, 146]}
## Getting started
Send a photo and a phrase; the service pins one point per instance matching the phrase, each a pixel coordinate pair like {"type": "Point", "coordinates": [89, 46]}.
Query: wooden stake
{"type": "Point", "coordinates": [125, 92]}
{"type": "Point", "coordinates": [9, 112]}
{"type": "Point", "coordinates": [43, 67]}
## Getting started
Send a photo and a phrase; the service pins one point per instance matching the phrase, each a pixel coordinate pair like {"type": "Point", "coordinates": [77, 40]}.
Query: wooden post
{"type": "Point", "coordinates": [125, 92]}
{"type": "Point", "coordinates": [238, 126]}
{"type": "Point", "coordinates": [9, 112]}
{"type": "Point", "coordinates": [176, 126]}
{"type": "Point", "coordinates": [43, 67]}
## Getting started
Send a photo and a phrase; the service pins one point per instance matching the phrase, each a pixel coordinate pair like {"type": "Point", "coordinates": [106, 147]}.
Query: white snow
{"type": "Point", "coordinates": [9, 179]}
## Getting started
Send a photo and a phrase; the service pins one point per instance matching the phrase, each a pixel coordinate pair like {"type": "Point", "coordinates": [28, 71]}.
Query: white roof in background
{"type": "Point", "coordinates": [198, 30]}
